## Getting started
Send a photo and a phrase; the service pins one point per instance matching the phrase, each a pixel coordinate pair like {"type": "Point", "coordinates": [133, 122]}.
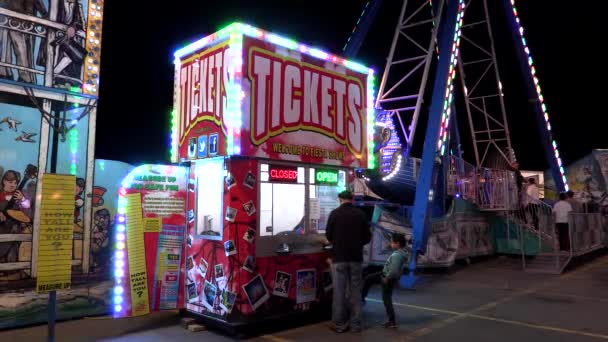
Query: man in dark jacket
{"type": "Point", "coordinates": [348, 231]}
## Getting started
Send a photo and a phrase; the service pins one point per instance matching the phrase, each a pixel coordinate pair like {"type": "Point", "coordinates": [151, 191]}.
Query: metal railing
{"type": "Point", "coordinates": [461, 180]}
{"type": "Point", "coordinates": [497, 190]}
{"type": "Point", "coordinates": [490, 189]}
{"type": "Point", "coordinates": [586, 232]}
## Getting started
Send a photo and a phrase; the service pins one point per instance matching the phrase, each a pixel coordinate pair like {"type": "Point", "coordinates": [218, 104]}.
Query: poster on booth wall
{"type": "Point", "coordinates": [163, 196]}
{"type": "Point", "coordinates": [168, 261]}
{"type": "Point", "coordinates": [138, 276]}
{"type": "Point", "coordinates": [311, 111]}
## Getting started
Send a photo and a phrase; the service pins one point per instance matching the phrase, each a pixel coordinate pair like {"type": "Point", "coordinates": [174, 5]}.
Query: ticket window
{"type": "Point", "coordinates": [283, 193]}
{"type": "Point", "coordinates": [209, 196]}
{"type": "Point", "coordinates": [282, 199]}
{"type": "Point", "coordinates": [324, 187]}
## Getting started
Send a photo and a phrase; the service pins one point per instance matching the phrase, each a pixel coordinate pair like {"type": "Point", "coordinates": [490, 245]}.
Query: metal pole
{"type": "Point", "coordinates": [468, 107]}
{"type": "Point", "coordinates": [52, 316]}
{"type": "Point", "coordinates": [425, 74]}
{"type": "Point", "coordinates": [499, 85]}
{"type": "Point", "coordinates": [391, 54]}
{"type": "Point", "coordinates": [52, 303]}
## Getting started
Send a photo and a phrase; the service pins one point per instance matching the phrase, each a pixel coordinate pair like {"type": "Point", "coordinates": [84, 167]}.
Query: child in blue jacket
{"type": "Point", "coordinates": [393, 268]}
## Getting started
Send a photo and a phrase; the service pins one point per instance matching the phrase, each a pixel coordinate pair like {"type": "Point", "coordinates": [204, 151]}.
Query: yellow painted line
{"type": "Point", "coordinates": [425, 308]}
{"type": "Point", "coordinates": [472, 313]}
{"type": "Point", "coordinates": [461, 315]}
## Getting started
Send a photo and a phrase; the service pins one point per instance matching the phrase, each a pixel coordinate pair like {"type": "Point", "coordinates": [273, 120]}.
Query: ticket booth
{"type": "Point", "coordinates": [271, 131]}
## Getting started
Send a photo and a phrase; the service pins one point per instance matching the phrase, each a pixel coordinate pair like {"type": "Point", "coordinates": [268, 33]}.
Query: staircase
{"type": "Point", "coordinates": [496, 191]}
{"type": "Point", "coordinates": [549, 259]}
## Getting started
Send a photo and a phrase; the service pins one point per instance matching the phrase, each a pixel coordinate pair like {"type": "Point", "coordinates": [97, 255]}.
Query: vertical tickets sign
{"type": "Point", "coordinates": [136, 255]}
{"type": "Point", "coordinates": [56, 233]}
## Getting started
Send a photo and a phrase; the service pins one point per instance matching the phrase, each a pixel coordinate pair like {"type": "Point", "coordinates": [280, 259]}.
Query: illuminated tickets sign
{"type": "Point", "coordinates": [283, 174]}
{"type": "Point", "coordinates": [264, 96]}
{"type": "Point", "coordinates": [326, 177]}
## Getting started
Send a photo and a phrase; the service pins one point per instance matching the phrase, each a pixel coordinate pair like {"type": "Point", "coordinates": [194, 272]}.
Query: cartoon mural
{"type": "Point", "coordinates": [19, 145]}
{"type": "Point", "coordinates": [51, 45]}
{"type": "Point", "coordinates": [588, 178]}
{"type": "Point", "coordinates": [91, 277]}
{"type": "Point", "coordinates": [49, 53]}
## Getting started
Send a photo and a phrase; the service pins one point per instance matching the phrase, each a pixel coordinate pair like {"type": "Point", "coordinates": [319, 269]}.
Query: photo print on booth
{"type": "Point", "coordinates": [231, 214]}
{"type": "Point", "coordinates": [209, 292]}
{"type": "Point", "coordinates": [230, 181]}
{"type": "Point", "coordinates": [249, 208]}
{"type": "Point", "coordinates": [190, 269]}
{"type": "Point", "coordinates": [306, 286]}
{"type": "Point", "coordinates": [227, 300]}
{"type": "Point", "coordinates": [249, 235]}
{"type": "Point", "coordinates": [282, 282]}
{"type": "Point", "coordinates": [229, 247]}
{"type": "Point", "coordinates": [219, 271]}
{"type": "Point", "coordinates": [249, 180]}
{"type": "Point", "coordinates": [249, 264]}
{"type": "Point", "coordinates": [191, 289]}
{"type": "Point", "coordinates": [202, 268]}
{"type": "Point", "coordinates": [256, 292]}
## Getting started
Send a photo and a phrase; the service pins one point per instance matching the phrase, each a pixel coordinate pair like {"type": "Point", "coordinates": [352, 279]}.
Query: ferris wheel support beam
{"type": "Point", "coordinates": [431, 158]}
{"type": "Point", "coordinates": [535, 97]}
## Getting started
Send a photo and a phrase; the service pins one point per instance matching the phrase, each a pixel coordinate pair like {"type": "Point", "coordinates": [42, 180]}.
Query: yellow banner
{"type": "Point", "coordinates": [56, 233]}
{"type": "Point", "coordinates": [137, 256]}
{"type": "Point", "coordinates": [152, 225]}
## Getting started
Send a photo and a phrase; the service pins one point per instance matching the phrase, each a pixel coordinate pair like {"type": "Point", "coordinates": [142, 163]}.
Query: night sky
{"type": "Point", "coordinates": [139, 40]}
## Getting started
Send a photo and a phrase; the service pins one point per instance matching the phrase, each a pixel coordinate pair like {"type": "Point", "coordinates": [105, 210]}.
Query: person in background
{"type": "Point", "coordinates": [533, 200]}
{"type": "Point", "coordinates": [577, 207]}
{"type": "Point", "coordinates": [348, 231]}
{"type": "Point", "coordinates": [393, 268]}
{"type": "Point", "coordinates": [561, 209]}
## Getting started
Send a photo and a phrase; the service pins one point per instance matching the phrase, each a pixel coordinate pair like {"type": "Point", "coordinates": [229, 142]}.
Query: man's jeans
{"type": "Point", "coordinates": [347, 294]}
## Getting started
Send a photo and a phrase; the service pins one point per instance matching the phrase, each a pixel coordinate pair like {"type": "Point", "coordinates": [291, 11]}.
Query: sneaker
{"type": "Point", "coordinates": [338, 330]}
{"type": "Point", "coordinates": [389, 325]}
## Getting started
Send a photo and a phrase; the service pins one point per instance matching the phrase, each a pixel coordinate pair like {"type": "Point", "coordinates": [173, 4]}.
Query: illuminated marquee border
{"type": "Point", "coordinates": [449, 91]}
{"type": "Point", "coordinates": [235, 32]}
{"type": "Point", "coordinates": [90, 81]}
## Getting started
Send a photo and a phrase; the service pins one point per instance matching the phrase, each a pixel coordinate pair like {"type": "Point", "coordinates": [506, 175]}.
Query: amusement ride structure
{"type": "Point", "coordinates": [442, 49]}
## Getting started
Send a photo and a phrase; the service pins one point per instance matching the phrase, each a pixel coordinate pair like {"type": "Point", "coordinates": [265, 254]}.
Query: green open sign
{"type": "Point", "coordinates": [328, 177]}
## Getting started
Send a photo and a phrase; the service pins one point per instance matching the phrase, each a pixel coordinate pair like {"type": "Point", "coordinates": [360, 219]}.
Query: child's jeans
{"type": "Point", "coordinates": [387, 292]}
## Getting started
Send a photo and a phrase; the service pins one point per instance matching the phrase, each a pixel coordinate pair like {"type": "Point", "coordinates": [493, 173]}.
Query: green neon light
{"type": "Point", "coordinates": [327, 177]}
